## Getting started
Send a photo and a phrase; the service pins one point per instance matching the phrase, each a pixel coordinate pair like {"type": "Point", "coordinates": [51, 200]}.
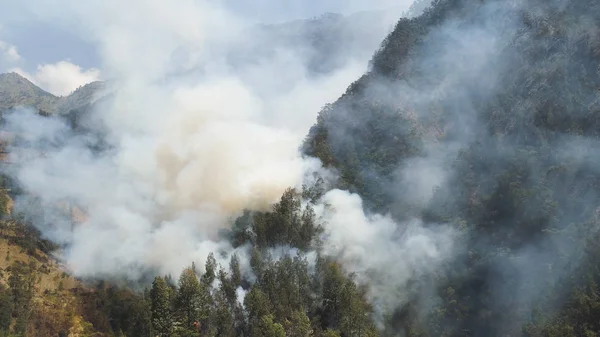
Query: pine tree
{"type": "Point", "coordinates": [267, 328]}
{"type": "Point", "coordinates": [333, 284]}
{"type": "Point", "coordinates": [210, 270]}
{"type": "Point", "coordinates": [257, 263]}
{"type": "Point", "coordinates": [162, 320]}
{"type": "Point", "coordinates": [234, 269]}
{"type": "Point", "coordinates": [257, 303]}
{"type": "Point", "coordinates": [222, 318]}
{"type": "Point", "coordinates": [227, 288]}
{"type": "Point", "coordinates": [299, 325]}
{"type": "Point", "coordinates": [188, 299]}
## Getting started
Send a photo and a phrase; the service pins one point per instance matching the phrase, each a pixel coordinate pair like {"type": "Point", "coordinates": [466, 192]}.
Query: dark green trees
{"type": "Point", "coordinates": [160, 297]}
{"type": "Point", "coordinates": [289, 224]}
{"type": "Point", "coordinates": [6, 309]}
{"type": "Point", "coordinates": [188, 299]}
{"type": "Point", "coordinates": [285, 297]}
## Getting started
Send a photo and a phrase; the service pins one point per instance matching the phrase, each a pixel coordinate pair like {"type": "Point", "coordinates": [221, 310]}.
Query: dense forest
{"type": "Point", "coordinates": [479, 115]}
{"type": "Point", "coordinates": [511, 103]}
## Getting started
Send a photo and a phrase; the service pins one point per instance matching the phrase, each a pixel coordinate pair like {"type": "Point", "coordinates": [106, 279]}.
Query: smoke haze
{"type": "Point", "coordinates": [189, 142]}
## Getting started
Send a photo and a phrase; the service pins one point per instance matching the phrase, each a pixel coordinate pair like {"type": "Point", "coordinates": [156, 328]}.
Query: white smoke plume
{"type": "Point", "coordinates": [192, 142]}
{"type": "Point", "coordinates": [381, 253]}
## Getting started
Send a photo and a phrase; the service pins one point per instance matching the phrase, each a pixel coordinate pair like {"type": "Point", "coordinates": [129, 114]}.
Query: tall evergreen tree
{"type": "Point", "coordinates": [299, 325]}
{"type": "Point", "coordinates": [267, 328]}
{"type": "Point", "coordinates": [210, 270]}
{"type": "Point", "coordinates": [234, 269]}
{"type": "Point", "coordinates": [188, 298]}
{"type": "Point", "coordinates": [162, 320]}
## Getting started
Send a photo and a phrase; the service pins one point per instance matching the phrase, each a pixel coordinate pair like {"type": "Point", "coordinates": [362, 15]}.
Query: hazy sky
{"type": "Point", "coordinates": [33, 44]}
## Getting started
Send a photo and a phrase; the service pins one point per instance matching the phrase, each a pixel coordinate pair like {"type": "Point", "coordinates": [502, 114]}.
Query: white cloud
{"type": "Point", "coordinates": [60, 78]}
{"type": "Point", "coordinates": [9, 52]}
{"type": "Point", "coordinates": [9, 55]}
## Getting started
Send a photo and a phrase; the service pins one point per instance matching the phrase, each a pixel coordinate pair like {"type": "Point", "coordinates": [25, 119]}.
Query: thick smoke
{"type": "Point", "coordinates": [185, 142]}
{"type": "Point", "coordinates": [188, 141]}
{"type": "Point", "coordinates": [382, 253]}
{"type": "Point", "coordinates": [182, 145]}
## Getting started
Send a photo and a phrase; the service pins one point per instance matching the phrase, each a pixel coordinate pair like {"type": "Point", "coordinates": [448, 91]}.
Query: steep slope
{"type": "Point", "coordinates": [483, 116]}
{"type": "Point", "coordinates": [38, 297]}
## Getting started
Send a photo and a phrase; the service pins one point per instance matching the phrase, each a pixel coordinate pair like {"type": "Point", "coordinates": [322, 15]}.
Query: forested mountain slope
{"type": "Point", "coordinates": [480, 116]}
{"type": "Point", "coordinates": [484, 115]}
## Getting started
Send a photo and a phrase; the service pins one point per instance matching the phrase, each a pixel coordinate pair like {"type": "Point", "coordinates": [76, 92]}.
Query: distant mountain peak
{"type": "Point", "coordinates": [18, 81]}
{"type": "Point", "coordinates": [12, 76]}
{"type": "Point", "coordinates": [16, 90]}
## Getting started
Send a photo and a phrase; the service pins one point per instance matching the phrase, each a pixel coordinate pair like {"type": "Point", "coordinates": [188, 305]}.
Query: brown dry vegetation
{"type": "Point", "coordinates": [56, 302]}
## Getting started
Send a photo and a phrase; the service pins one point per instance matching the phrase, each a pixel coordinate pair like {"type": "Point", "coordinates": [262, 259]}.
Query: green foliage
{"type": "Point", "coordinates": [267, 328]}
{"type": "Point", "coordinates": [236, 274]}
{"type": "Point", "coordinates": [330, 333]}
{"type": "Point", "coordinates": [286, 294]}
{"type": "Point", "coordinates": [210, 270]}
{"type": "Point", "coordinates": [22, 281]}
{"type": "Point", "coordinates": [129, 312]}
{"type": "Point", "coordinates": [299, 325]}
{"type": "Point", "coordinates": [162, 320]}
{"type": "Point", "coordinates": [223, 318]}
{"type": "Point", "coordinates": [6, 309]}
{"type": "Point", "coordinates": [288, 224]}
{"type": "Point", "coordinates": [188, 298]}
{"type": "Point", "coordinates": [257, 304]}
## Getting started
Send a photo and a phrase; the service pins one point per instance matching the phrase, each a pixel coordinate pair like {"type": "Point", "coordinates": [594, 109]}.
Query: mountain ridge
{"type": "Point", "coordinates": [18, 91]}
